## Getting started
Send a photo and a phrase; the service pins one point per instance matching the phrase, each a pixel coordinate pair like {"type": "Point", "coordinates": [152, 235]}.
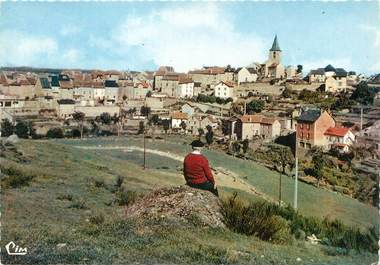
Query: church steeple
{"type": "Point", "coordinates": [275, 46]}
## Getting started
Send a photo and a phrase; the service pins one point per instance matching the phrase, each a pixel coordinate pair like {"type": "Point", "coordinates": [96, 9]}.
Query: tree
{"type": "Point", "coordinates": [105, 118]}
{"type": "Point", "coordinates": [319, 162]}
{"type": "Point", "coordinates": [235, 147]}
{"type": "Point", "coordinates": [22, 130]}
{"type": "Point", "coordinates": [209, 135]}
{"type": "Point", "coordinates": [166, 125]}
{"type": "Point", "coordinates": [124, 97]}
{"type": "Point", "coordinates": [200, 132]}
{"type": "Point", "coordinates": [7, 128]}
{"type": "Point", "coordinates": [245, 145]}
{"type": "Point", "coordinates": [141, 127]}
{"type": "Point", "coordinates": [282, 156]}
{"type": "Point", "coordinates": [255, 106]}
{"type": "Point", "coordinates": [55, 133]}
{"type": "Point", "coordinates": [183, 125]}
{"type": "Point", "coordinates": [299, 69]}
{"type": "Point", "coordinates": [145, 111]}
{"type": "Point", "coordinates": [363, 94]}
{"type": "Point", "coordinates": [286, 93]}
{"type": "Point", "coordinates": [154, 119]}
{"type": "Point", "coordinates": [79, 117]}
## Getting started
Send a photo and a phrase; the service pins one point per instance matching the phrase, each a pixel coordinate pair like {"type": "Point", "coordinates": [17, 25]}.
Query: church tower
{"type": "Point", "coordinates": [275, 52]}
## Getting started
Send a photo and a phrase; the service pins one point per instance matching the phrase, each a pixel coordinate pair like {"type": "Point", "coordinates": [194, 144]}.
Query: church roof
{"type": "Point", "coordinates": [329, 68]}
{"type": "Point", "coordinates": [275, 46]}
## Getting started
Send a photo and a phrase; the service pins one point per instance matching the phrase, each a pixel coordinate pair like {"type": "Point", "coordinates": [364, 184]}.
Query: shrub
{"type": "Point", "coordinates": [54, 133]}
{"type": "Point", "coordinates": [22, 130]}
{"type": "Point", "coordinates": [67, 197]}
{"type": "Point", "coordinates": [99, 183]}
{"type": "Point", "coordinates": [97, 218]}
{"type": "Point", "coordinates": [126, 197]}
{"type": "Point", "coordinates": [15, 177]}
{"type": "Point", "coordinates": [271, 222]}
{"type": "Point", "coordinates": [78, 204]}
{"type": "Point", "coordinates": [119, 181]}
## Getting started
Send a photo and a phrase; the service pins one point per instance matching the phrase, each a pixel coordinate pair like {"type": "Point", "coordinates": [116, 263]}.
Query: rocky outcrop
{"type": "Point", "coordinates": [182, 205]}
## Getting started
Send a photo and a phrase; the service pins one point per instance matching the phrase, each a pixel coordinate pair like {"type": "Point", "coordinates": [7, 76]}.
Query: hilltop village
{"type": "Point", "coordinates": [244, 110]}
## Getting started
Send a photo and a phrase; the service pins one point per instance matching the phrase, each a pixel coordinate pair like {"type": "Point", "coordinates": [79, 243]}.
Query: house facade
{"type": "Point", "coordinates": [250, 126]}
{"type": "Point", "coordinates": [339, 137]}
{"type": "Point", "coordinates": [311, 128]}
{"type": "Point", "coordinates": [224, 90]}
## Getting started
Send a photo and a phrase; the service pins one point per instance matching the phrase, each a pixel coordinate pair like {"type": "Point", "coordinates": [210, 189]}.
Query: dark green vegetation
{"type": "Point", "coordinates": [212, 99]}
{"type": "Point", "coordinates": [271, 222]}
{"type": "Point", "coordinates": [69, 212]}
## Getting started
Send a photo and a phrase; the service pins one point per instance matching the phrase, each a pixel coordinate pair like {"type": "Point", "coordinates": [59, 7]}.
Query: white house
{"type": "Point", "coordinates": [224, 90]}
{"type": "Point", "coordinates": [245, 75]}
{"type": "Point", "coordinates": [177, 118]}
{"type": "Point", "coordinates": [339, 137]}
{"type": "Point", "coordinates": [185, 88]}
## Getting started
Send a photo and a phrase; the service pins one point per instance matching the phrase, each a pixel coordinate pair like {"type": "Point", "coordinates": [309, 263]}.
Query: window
{"type": "Point", "coordinates": [308, 136]}
{"type": "Point", "coordinates": [308, 126]}
{"type": "Point", "coordinates": [7, 104]}
{"type": "Point", "coordinates": [301, 126]}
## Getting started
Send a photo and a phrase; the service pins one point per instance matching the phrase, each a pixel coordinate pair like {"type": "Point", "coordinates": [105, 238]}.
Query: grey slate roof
{"type": "Point", "coordinates": [329, 68]}
{"type": "Point", "coordinates": [319, 71]}
{"type": "Point", "coordinates": [54, 81]}
{"type": "Point", "coordinates": [275, 46]}
{"type": "Point", "coordinates": [45, 84]}
{"type": "Point", "coordinates": [309, 115]}
{"type": "Point", "coordinates": [110, 83]}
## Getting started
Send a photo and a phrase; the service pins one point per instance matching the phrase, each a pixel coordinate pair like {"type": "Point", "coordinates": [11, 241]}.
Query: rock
{"type": "Point", "coordinates": [313, 239]}
{"type": "Point", "coordinates": [13, 139]}
{"type": "Point", "coordinates": [61, 245]}
{"type": "Point", "coordinates": [179, 205]}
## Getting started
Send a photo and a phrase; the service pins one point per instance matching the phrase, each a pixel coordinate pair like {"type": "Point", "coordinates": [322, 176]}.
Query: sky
{"type": "Point", "coordinates": [189, 35]}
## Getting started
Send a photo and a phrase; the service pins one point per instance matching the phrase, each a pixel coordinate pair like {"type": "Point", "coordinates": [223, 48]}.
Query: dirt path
{"type": "Point", "coordinates": [223, 176]}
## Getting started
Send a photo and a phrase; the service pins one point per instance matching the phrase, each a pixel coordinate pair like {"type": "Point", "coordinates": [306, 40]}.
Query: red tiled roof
{"type": "Point", "coordinates": [229, 84]}
{"type": "Point", "coordinates": [178, 115]}
{"type": "Point", "coordinates": [251, 118]}
{"type": "Point", "coordinates": [337, 131]}
{"type": "Point", "coordinates": [257, 119]}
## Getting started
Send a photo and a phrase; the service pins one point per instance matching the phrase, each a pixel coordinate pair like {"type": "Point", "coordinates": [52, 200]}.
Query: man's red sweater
{"type": "Point", "coordinates": [196, 169]}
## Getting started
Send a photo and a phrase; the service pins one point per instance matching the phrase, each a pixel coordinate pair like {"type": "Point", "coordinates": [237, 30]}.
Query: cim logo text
{"type": "Point", "coordinates": [14, 249]}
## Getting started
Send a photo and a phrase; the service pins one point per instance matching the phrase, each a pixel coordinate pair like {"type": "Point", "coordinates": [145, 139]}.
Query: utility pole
{"type": "Point", "coordinates": [296, 176]}
{"type": "Point", "coordinates": [144, 166]}
{"type": "Point", "coordinates": [361, 120]}
{"type": "Point", "coordinates": [280, 190]}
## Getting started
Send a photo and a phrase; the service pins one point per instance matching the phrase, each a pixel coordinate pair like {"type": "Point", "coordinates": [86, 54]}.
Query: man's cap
{"type": "Point", "coordinates": [197, 143]}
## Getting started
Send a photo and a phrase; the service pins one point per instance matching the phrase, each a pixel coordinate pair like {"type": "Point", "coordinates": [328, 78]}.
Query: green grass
{"type": "Point", "coordinates": [40, 215]}
{"type": "Point", "coordinates": [311, 200]}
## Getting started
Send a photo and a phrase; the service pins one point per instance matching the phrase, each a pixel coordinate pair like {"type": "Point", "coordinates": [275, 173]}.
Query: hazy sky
{"type": "Point", "coordinates": [142, 36]}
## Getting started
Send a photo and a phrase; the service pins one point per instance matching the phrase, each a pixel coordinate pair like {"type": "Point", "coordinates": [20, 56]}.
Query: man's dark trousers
{"type": "Point", "coordinates": [205, 186]}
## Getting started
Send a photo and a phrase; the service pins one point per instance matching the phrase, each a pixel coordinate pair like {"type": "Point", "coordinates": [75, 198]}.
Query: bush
{"type": "Point", "coordinates": [15, 177]}
{"type": "Point", "coordinates": [67, 197]}
{"type": "Point", "coordinates": [22, 130]}
{"type": "Point", "coordinates": [255, 219]}
{"type": "Point", "coordinates": [97, 218]}
{"type": "Point", "coordinates": [126, 197]}
{"type": "Point", "coordinates": [7, 128]}
{"type": "Point", "coordinates": [119, 181]}
{"type": "Point", "coordinates": [78, 204]}
{"type": "Point", "coordinates": [55, 133]}
{"type": "Point", "coordinates": [271, 222]}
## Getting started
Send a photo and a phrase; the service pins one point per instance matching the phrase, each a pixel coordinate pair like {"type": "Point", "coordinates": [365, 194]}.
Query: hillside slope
{"type": "Point", "coordinates": [67, 211]}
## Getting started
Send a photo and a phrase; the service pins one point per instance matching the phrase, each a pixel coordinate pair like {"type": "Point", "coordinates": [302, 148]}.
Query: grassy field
{"type": "Point", "coordinates": [312, 201]}
{"type": "Point", "coordinates": [54, 216]}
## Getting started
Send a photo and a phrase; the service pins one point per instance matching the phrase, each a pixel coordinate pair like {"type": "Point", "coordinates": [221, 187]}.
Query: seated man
{"type": "Point", "coordinates": [196, 170]}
